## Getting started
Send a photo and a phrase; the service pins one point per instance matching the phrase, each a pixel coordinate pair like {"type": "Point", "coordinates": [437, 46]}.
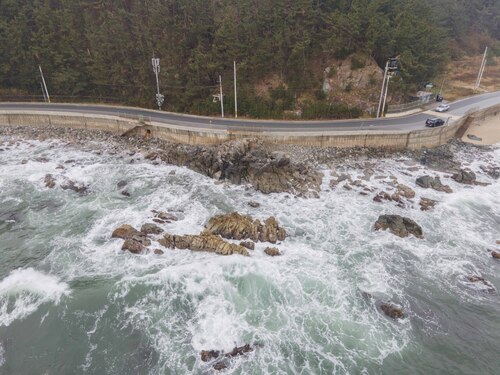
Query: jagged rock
{"type": "Point", "coordinates": [133, 246]}
{"type": "Point", "coordinates": [248, 244]}
{"type": "Point", "coordinates": [125, 231]}
{"type": "Point", "coordinates": [158, 252]}
{"type": "Point", "coordinates": [165, 216]}
{"type": "Point", "coordinates": [254, 204]}
{"type": "Point", "coordinates": [435, 183]}
{"type": "Point", "coordinates": [272, 251]}
{"type": "Point", "coordinates": [392, 310]}
{"type": "Point", "coordinates": [398, 225]}
{"type": "Point", "coordinates": [241, 350]}
{"type": "Point", "coordinates": [202, 242]}
{"type": "Point", "coordinates": [241, 227]}
{"type": "Point", "coordinates": [245, 161]}
{"type": "Point", "coordinates": [426, 204]}
{"type": "Point", "coordinates": [339, 179]}
{"type": "Point", "coordinates": [71, 185]}
{"type": "Point", "coordinates": [159, 221]}
{"type": "Point", "coordinates": [208, 355]}
{"type": "Point", "coordinates": [150, 228]}
{"type": "Point", "coordinates": [121, 184]}
{"type": "Point", "coordinates": [142, 239]}
{"type": "Point", "coordinates": [495, 254]}
{"type": "Point", "coordinates": [465, 176]}
{"type": "Point", "coordinates": [49, 181]}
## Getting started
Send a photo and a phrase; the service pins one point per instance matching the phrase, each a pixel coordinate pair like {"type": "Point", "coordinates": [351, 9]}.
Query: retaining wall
{"type": "Point", "coordinates": [200, 136]}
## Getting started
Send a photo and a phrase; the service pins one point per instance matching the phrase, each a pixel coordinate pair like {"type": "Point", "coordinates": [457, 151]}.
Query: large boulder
{"type": "Point", "coordinates": [399, 225]}
{"type": "Point", "coordinates": [241, 227]}
{"type": "Point", "coordinates": [125, 231]}
{"type": "Point", "coordinates": [133, 246]}
{"type": "Point", "coordinates": [272, 251]}
{"type": "Point", "coordinates": [495, 254]}
{"type": "Point", "coordinates": [202, 242]}
{"type": "Point", "coordinates": [465, 176]}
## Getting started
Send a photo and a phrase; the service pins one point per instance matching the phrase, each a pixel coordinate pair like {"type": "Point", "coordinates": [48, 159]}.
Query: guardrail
{"type": "Point", "coordinates": [397, 108]}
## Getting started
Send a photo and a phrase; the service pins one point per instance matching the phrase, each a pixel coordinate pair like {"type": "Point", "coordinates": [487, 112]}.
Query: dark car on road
{"type": "Point", "coordinates": [433, 122]}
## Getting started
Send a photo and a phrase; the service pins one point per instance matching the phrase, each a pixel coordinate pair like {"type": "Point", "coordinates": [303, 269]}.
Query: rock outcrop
{"type": "Point", "coordinates": [399, 225]}
{"type": "Point", "coordinates": [246, 161]}
{"type": "Point", "coordinates": [240, 227]}
{"type": "Point", "coordinates": [202, 242]}
{"type": "Point", "coordinates": [224, 358]}
{"type": "Point", "coordinates": [465, 176]}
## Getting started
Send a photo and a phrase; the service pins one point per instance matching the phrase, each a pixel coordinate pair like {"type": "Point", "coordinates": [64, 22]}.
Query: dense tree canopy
{"type": "Point", "coordinates": [102, 49]}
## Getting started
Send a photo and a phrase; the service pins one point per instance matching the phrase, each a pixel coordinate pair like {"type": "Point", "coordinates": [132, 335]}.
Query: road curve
{"type": "Point", "coordinates": [412, 122]}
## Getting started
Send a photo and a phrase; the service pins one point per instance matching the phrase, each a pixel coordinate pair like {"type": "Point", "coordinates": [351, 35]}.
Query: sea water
{"type": "Point", "coordinates": [72, 302]}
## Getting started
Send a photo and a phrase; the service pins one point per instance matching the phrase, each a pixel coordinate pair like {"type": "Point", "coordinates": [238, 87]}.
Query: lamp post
{"type": "Point", "coordinates": [156, 69]}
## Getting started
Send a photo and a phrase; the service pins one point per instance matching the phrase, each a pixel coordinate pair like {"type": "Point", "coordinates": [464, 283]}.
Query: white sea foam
{"type": "Point", "coordinates": [23, 291]}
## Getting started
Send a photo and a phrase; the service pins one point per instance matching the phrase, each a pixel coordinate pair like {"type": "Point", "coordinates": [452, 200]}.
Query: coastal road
{"type": "Point", "coordinates": [411, 122]}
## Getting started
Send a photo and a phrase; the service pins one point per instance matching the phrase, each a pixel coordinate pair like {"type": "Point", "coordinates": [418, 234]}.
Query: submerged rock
{"type": "Point", "coordinates": [121, 184]}
{"type": "Point", "coordinates": [399, 225]}
{"type": "Point", "coordinates": [125, 193]}
{"type": "Point", "coordinates": [426, 204]}
{"type": "Point", "coordinates": [241, 350]}
{"type": "Point", "coordinates": [254, 204]}
{"type": "Point", "coordinates": [71, 185]}
{"type": "Point", "coordinates": [241, 227]}
{"type": "Point", "coordinates": [392, 310]}
{"type": "Point", "coordinates": [464, 176]}
{"type": "Point", "coordinates": [158, 252]}
{"type": "Point", "coordinates": [208, 355]}
{"type": "Point", "coordinates": [165, 216]}
{"type": "Point", "coordinates": [202, 242]}
{"type": "Point", "coordinates": [272, 251]}
{"type": "Point", "coordinates": [480, 280]}
{"type": "Point", "coordinates": [150, 228]}
{"type": "Point", "coordinates": [49, 181]}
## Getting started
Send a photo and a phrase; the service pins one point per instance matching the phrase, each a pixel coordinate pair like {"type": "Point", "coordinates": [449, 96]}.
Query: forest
{"type": "Point", "coordinates": [100, 51]}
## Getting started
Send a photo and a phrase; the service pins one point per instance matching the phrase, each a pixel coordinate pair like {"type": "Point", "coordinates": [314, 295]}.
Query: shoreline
{"type": "Point", "coordinates": [269, 168]}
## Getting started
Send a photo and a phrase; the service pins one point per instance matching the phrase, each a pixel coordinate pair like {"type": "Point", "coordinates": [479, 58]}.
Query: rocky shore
{"type": "Point", "coordinates": [268, 168]}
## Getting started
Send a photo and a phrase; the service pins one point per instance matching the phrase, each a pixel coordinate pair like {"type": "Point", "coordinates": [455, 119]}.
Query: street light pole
{"type": "Point", "coordinates": [156, 69]}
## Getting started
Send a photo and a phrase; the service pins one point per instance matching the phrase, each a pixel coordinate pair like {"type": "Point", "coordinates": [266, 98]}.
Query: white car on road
{"type": "Point", "coordinates": [442, 108]}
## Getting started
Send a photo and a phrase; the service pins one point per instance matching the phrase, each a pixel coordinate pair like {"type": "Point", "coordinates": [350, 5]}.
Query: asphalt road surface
{"type": "Point", "coordinates": [411, 122]}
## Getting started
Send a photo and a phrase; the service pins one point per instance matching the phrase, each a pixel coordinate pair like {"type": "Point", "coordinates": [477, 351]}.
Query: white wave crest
{"type": "Point", "coordinates": [24, 290]}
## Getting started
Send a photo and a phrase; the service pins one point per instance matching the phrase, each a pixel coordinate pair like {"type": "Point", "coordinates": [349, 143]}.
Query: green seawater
{"type": "Point", "coordinates": [71, 302]}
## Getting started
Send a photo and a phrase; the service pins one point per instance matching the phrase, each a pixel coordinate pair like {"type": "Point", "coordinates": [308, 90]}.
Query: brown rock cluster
{"type": "Point", "coordinates": [399, 225]}
{"type": "Point", "coordinates": [202, 242]}
{"type": "Point", "coordinates": [240, 227]}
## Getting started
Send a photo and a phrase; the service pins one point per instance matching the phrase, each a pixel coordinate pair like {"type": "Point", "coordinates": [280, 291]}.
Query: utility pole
{"type": "Point", "coordinates": [156, 69]}
{"type": "Point", "coordinates": [221, 97]}
{"type": "Point", "coordinates": [481, 70]}
{"type": "Point", "coordinates": [235, 94]}
{"type": "Point", "coordinates": [385, 95]}
{"type": "Point", "coordinates": [382, 90]}
{"type": "Point", "coordinates": [46, 96]}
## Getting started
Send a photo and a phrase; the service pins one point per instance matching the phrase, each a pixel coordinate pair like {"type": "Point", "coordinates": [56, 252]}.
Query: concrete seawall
{"type": "Point", "coordinates": [200, 136]}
